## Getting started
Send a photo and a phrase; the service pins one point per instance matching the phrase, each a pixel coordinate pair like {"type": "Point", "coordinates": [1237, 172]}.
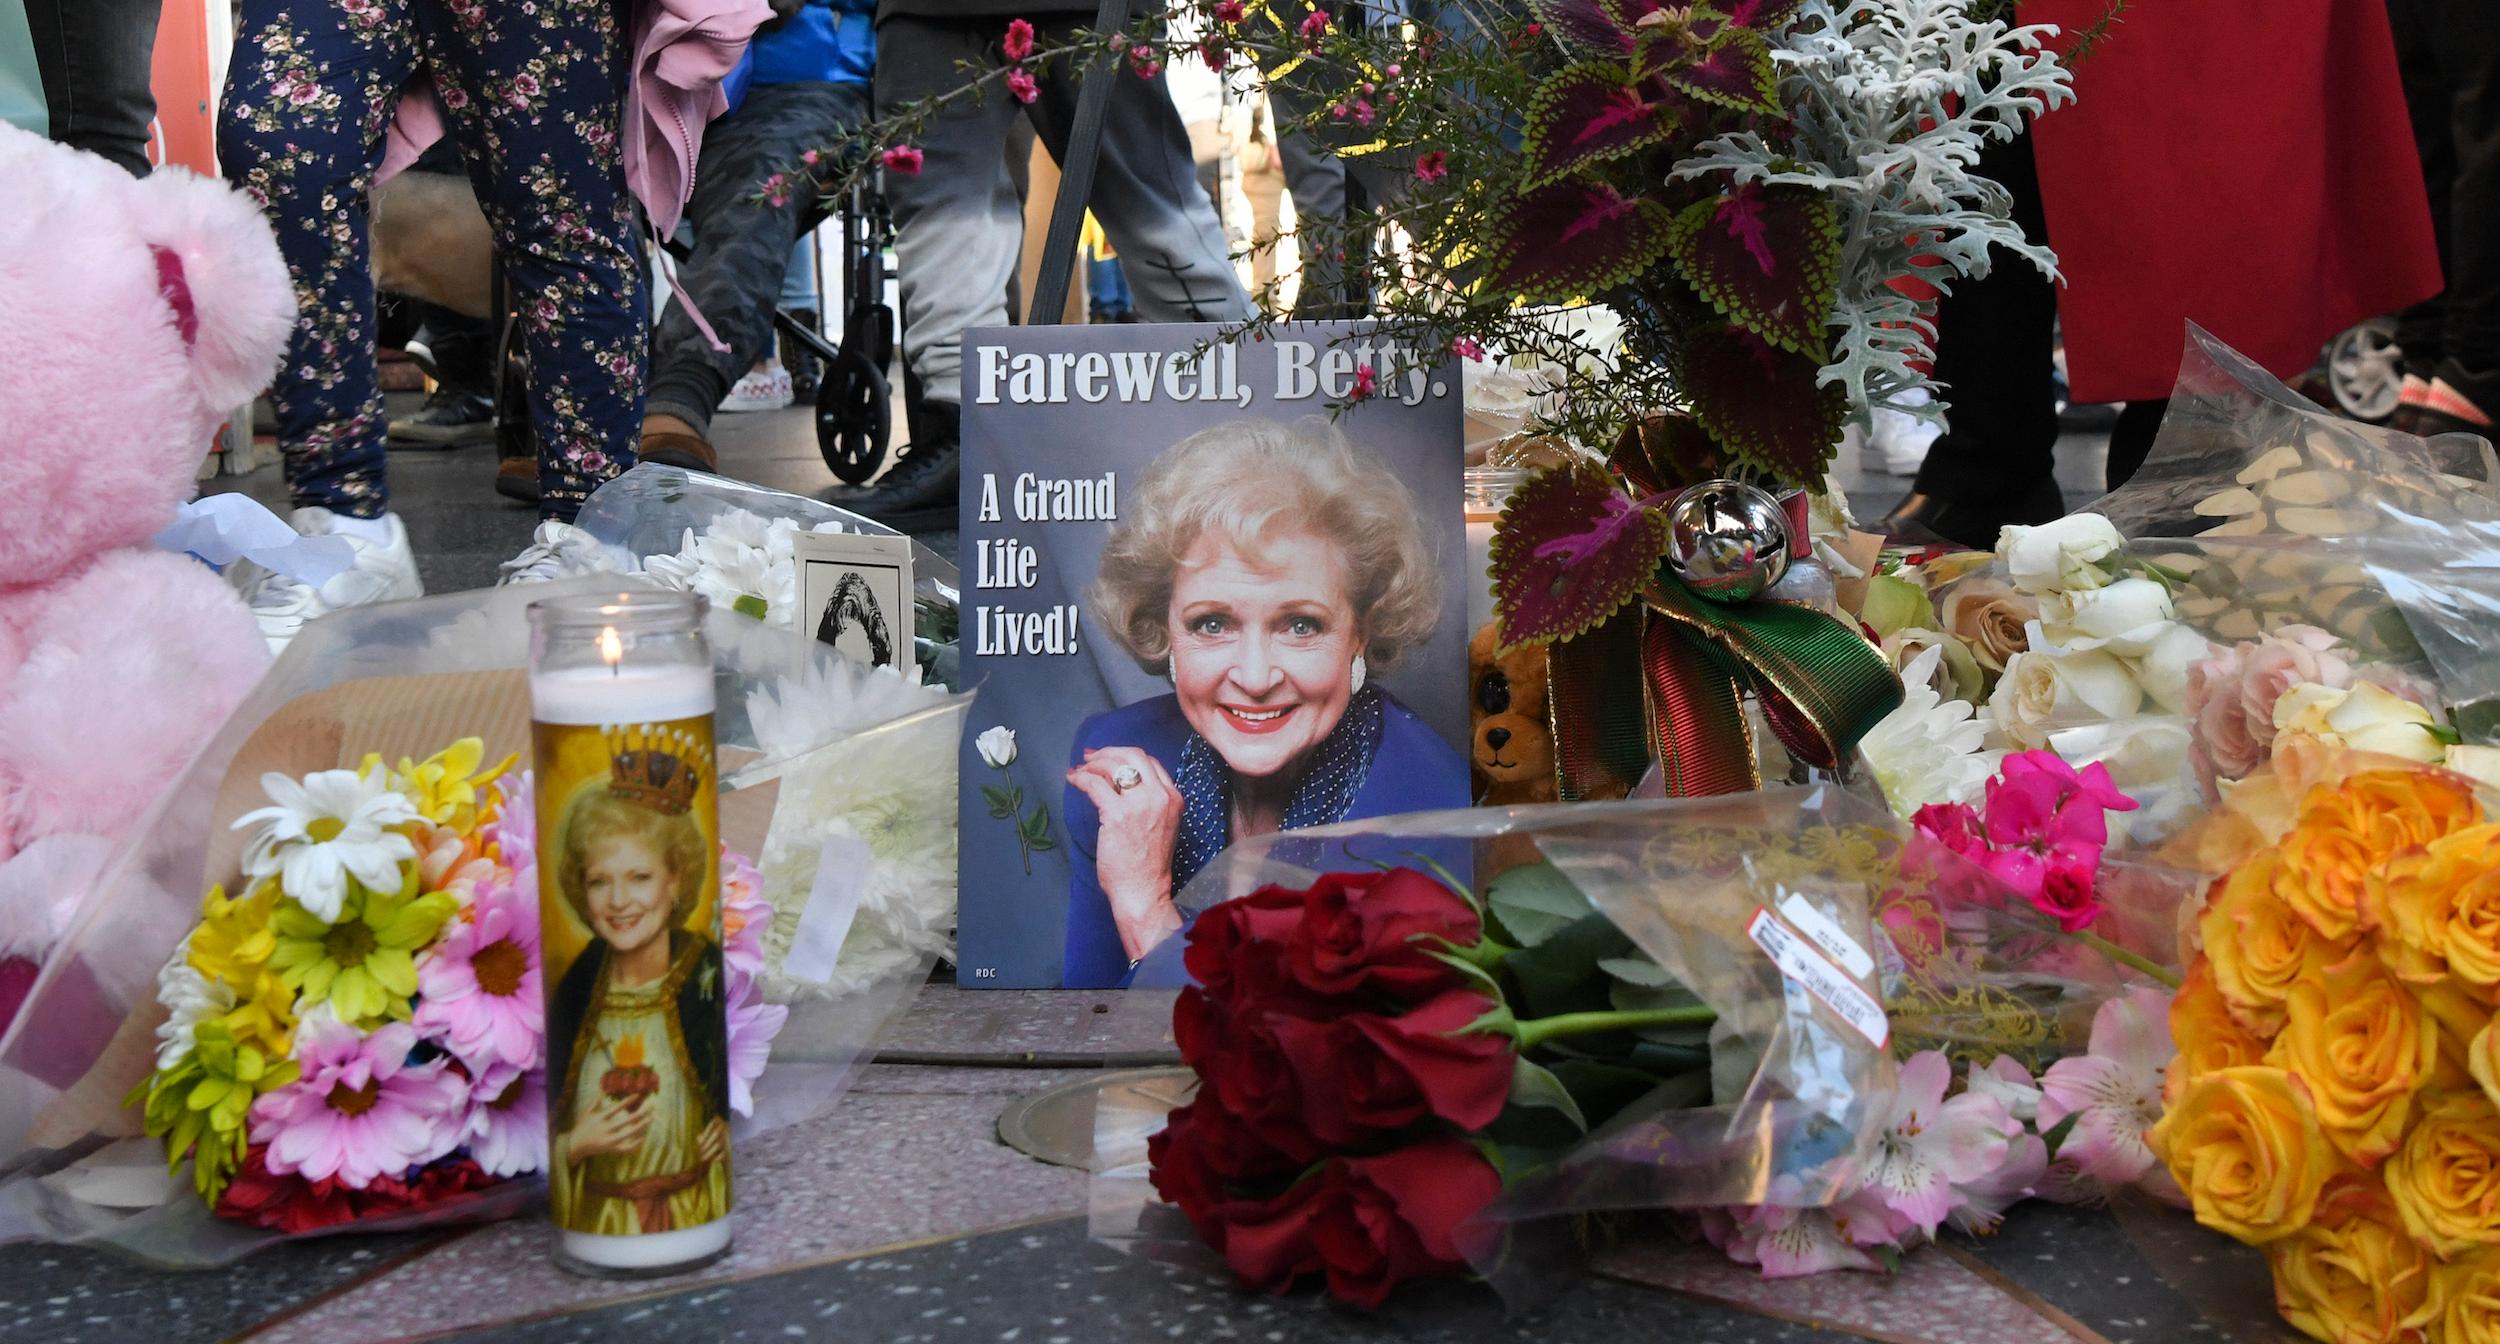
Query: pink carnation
{"type": "Point", "coordinates": [479, 982]}
{"type": "Point", "coordinates": [359, 1110]}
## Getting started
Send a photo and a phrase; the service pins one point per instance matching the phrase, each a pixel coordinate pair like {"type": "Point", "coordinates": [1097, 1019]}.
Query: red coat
{"type": "Point", "coordinates": [2245, 164]}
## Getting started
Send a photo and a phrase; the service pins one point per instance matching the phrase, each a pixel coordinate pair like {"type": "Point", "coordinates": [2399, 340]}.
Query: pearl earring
{"type": "Point", "coordinates": [1360, 671]}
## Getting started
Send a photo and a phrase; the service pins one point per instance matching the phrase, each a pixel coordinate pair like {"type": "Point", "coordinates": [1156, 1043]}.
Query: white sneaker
{"type": "Point", "coordinates": [556, 551]}
{"type": "Point", "coordinates": [1899, 442]}
{"type": "Point", "coordinates": [765, 390]}
{"type": "Point", "coordinates": [384, 571]}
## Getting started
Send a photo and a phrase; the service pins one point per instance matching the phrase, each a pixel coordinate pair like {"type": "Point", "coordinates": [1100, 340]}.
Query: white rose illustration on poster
{"type": "Point", "coordinates": [997, 746]}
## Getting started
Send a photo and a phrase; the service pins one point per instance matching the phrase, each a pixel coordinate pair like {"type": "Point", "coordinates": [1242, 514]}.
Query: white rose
{"type": "Point", "coordinates": [2042, 692]}
{"type": "Point", "coordinates": [2480, 764]}
{"type": "Point", "coordinates": [2062, 555]}
{"type": "Point", "coordinates": [2164, 667]}
{"type": "Point", "coordinates": [2363, 718]}
{"type": "Point", "coordinates": [2124, 618]}
{"type": "Point", "coordinates": [997, 747]}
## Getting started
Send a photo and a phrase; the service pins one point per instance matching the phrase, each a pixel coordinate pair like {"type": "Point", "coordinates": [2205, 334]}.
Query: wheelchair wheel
{"type": "Point", "coordinates": [854, 418]}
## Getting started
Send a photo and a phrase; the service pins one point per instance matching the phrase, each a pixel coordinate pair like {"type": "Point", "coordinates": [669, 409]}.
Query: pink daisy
{"type": "Point", "coordinates": [359, 1110]}
{"type": "Point", "coordinates": [479, 982]}
{"type": "Point", "coordinates": [752, 1025]}
{"type": "Point", "coordinates": [513, 831]}
{"type": "Point", "coordinates": [744, 912]}
{"type": "Point", "coordinates": [505, 1130]}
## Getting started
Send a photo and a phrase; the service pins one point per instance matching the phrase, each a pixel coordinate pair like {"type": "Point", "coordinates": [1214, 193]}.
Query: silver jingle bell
{"type": "Point", "coordinates": [1727, 540]}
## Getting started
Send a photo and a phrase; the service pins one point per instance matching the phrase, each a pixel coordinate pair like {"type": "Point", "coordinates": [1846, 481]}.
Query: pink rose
{"type": "Point", "coordinates": [2231, 696]}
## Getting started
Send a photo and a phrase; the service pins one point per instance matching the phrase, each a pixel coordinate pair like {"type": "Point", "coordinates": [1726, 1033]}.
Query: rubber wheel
{"type": "Point", "coordinates": [854, 418]}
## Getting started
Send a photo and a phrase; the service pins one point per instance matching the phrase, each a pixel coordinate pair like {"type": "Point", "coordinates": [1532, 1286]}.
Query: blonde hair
{"type": "Point", "coordinates": [600, 815]}
{"type": "Point", "coordinates": [1246, 481]}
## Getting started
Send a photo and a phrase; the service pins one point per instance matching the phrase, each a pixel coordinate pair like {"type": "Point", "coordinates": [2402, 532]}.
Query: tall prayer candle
{"type": "Point", "coordinates": [629, 919]}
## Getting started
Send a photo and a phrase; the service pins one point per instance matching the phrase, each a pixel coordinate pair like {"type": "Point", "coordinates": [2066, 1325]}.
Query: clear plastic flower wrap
{"type": "Point", "coordinates": [729, 539]}
{"type": "Point", "coordinates": [838, 781]}
{"type": "Point", "coordinates": [1820, 937]}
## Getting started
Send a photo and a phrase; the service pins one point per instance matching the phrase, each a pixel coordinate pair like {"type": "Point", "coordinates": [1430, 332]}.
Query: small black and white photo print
{"type": "Point", "coordinates": [855, 594]}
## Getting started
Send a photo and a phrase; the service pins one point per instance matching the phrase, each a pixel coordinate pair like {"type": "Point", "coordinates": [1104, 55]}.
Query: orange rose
{"type": "Point", "coordinates": [2244, 1144]}
{"type": "Point", "coordinates": [2364, 1047]}
{"type": "Point", "coordinates": [2353, 1275]}
{"type": "Point", "coordinates": [2460, 1017]}
{"type": "Point", "coordinates": [2260, 947]}
{"type": "Point", "coordinates": [2345, 832]}
{"type": "Point", "coordinates": [2208, 1037]}
{"type": "Point", "coordinates": [2464, 1305]}
{"type": "Point", "coordinates": [2438, 910]}
{"type": "Point", "coordinates": [2446, 1178]}
{"type": "Point", "coordinates": [2482, 1062]}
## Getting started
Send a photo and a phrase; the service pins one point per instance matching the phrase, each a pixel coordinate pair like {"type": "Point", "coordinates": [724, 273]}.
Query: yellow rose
{"type": "Point", "coordinates": [2446, 1178]}
{"type": "Point", "coordinates": [2464, 1305]}
{"type": "Point", "coordinates": [2208, 1037]}
{"type": "Point", "coordinates": [2460, 1017]}
{"type": "Point", "coordinates": [2364, 1047]}
{"type": "Point", "coordinates": [2244, 1144]}
{"type": "Point", "coordinates": [2346, 832]}
{"type": "Point", "coordinates": [2353, 1275]}
{"type": "Point", "coordinates": [2438, 911]}
{"type": "Point", "coordinates": [2260, 947]}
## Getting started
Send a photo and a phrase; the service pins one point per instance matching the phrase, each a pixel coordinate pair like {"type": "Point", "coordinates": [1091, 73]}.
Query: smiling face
{"type": "Point", "coordinates": [628, 889]}
{"type": "Point", "coordinates": [1263, 647]}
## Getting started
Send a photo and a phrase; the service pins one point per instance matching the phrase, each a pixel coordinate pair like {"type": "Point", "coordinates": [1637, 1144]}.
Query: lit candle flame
{"type": "Point", "coordinates": [611, 648]}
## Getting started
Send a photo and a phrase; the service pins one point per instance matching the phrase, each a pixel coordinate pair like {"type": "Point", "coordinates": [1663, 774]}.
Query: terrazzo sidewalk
{"type": "Point", "coordinates": [899, 1216]}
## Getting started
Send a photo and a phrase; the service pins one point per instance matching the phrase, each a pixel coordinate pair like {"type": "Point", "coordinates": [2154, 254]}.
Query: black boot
{"type": "Point", "coordinates": [1922, 518]}
{"type": "Point", "coordinates": [917, 493]}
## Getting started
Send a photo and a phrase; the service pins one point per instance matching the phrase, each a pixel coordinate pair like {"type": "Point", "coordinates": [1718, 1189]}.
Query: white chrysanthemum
{"type": "Point", "coordinates": [190, 998]}
{"type": "Point", "coordinates": [333, 825]}
{"type": "Point", "coordinates": [1927, 751]}
{"type": "Point", "coordinates": [740, 556]}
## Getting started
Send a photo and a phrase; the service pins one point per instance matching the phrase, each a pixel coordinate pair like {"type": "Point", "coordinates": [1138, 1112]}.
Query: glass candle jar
{"type": "Point", "coordinates": [630, 937]}
{"type": "Point", "coordinates": [1487, 490]}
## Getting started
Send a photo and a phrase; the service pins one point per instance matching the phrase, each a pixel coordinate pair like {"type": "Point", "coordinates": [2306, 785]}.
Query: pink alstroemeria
{"type": "Point", "coordinates": [505, 1129]}
{"type": "Point", "coordinates": [744, 912]}
{"type": "Point", "coordinates": [2114, 1092]}
{"type": "Point", "coordinates": [1926, 1145]}
{"type": "Point", "coordinates": [359, 1110]}
{"type": "Point", "coordinates": [479, 982]}
{"type": "Point", "coordinates": [1983, 1202]}
{"type": "Point", "coordinates": [1789, 1243]}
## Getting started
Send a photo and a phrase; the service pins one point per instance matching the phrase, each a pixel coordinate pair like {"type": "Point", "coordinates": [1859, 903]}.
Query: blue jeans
{"type": "Point", "coordinates": [535, 101]}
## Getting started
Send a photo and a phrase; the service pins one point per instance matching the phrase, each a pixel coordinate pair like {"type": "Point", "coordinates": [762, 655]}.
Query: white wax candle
{"type": "Point", "coordinates": [1479, 557]}
{"type": "Point", "coordinates": [600, 695]}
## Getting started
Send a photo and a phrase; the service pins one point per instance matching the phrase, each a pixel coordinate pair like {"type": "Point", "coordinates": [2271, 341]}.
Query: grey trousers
{"type": "Point", "coordinates": [742, 245]}
{"type": "Point", "coordinates": [959, 227]}
{"type": "Point", "coordinates": [94, 56]}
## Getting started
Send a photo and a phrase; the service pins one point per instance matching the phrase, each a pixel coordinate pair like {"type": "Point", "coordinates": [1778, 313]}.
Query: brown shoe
{"type": "Point", "coordinates": [671, 448]}
{"type": "Point", "coordinates": [517, 478]}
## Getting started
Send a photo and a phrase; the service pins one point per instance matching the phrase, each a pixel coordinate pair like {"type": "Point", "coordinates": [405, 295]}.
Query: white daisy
{"type": "Point", "coordinates": [332, 826]}
{"type": "Point", "coordinates": [190, 998]}
{"type": "Point", "coordinates": [1927, 751]}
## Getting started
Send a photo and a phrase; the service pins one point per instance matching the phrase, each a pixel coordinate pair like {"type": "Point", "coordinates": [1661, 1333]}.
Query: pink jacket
{"type": "Point", "coordinates": [683, 49]}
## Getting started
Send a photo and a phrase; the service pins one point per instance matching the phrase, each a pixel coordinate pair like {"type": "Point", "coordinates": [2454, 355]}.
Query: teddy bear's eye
{"type": "Point", "coordinates": [1493, 693]}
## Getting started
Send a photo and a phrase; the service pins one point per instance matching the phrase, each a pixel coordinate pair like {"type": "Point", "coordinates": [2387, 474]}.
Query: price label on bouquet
{"type": "Point", "coordinates": [1799, 961]}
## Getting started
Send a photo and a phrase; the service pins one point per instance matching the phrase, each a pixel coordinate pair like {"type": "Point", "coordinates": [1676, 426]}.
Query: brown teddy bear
{"type": "Point", "coordinates": [1512, 756]}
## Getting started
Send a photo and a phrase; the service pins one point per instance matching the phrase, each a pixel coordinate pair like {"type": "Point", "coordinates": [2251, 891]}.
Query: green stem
{"type": "Point", "coordinates": [2124, 957]}
{"type": "Point", "coordinates": [1537, 1031]}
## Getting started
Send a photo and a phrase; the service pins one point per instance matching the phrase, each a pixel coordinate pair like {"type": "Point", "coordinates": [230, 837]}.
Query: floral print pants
{"type": "Point", "coordinates": [532, 91]}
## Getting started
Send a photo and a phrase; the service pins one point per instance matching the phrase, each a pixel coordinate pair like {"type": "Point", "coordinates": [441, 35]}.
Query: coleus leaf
{"type": "Point", "coordinates": [1589, 114]}
{"type": "Point", "coordinates": [1762, 15]}
{"type": "Point", "coordinates": [1587, 24]}
{"type": "Point", "coordinates": [1768, 258]}
{"type": "Point", "coordinates": [1574, 238]}
{"type": "Point", "coordinates": [1762, 403]}
{"type": "Point", "coordinates": [1569, 552]}
{"type": "Point", "coordinates": [1665, 453]}
{"type": "Point", "coordinates": [1734, 72]}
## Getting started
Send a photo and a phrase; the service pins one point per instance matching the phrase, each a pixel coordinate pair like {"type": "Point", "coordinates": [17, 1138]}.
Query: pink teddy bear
{"type": "Point", "coordinates": [141, 314]}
